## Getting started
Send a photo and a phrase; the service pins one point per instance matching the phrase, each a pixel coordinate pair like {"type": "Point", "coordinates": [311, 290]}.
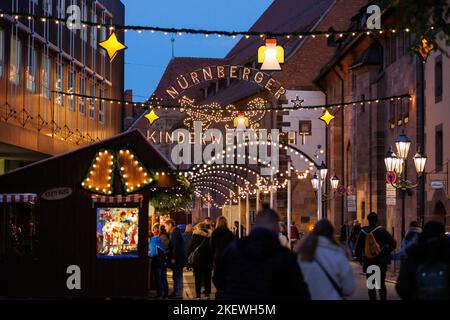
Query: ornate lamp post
{"type": "Point", "coordinates": [396, 167]}
{"type": "Point", "coordinates": [317, 181]}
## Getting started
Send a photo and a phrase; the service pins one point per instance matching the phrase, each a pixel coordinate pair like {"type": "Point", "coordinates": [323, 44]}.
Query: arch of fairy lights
{"type": "Point", "coordinates": [199, 194]}
{"type": "Point", "coordinates": [214, 184]}
{"type": "Point", "coordinates": [211, 173]}
{"type": "Point", "coordinates": [214, 175]}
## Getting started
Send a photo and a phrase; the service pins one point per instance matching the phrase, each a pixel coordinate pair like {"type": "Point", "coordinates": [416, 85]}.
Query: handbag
{"type": "Point", "coordinates": [191, 257]}
{"type": "Point", "coordinates": [330, 278]}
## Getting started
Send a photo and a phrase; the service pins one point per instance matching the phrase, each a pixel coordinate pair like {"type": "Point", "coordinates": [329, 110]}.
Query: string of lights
{"type": "Point", "coordinates": [181, 31]}
{"type": "Point", "coordinates": [157, 103]}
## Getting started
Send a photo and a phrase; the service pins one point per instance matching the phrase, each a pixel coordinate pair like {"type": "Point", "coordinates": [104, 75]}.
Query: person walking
{"type": "Point", "coordinates": [200, 258]}
{"type": "Point", "coordinates": [158, 254]}
{"type": "Point", "coordinates": [325, 265]}
{"type": "Point", "coordinates": [220, 238]}
{"type": "Point", "coordinates": [295, 234]}
{"type": "Point", "coordinates": [187, 234]}
{"type": "Point", "coordinates": [425, 268]}
{"type": "Point", "coordinates": [411, 237]}
{"type": "Point", "coordinates": [282, 235]}
{"type": "Point", "coordinates": [356, 230]}
{"type": "Point", "coordinates": [373, 248]}
{"type": "Point", "coordinates": [258, 267]}
{"type": "Point", "coordinates": [177, 258]}
{"type": "Point", "coordinates": [236, 230]}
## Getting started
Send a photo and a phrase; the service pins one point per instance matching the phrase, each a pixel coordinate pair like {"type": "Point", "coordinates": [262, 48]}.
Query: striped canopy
{"type": "Point", "coordinates": [135, 198]}
{"type": "Point", "coordinates": [18, 197]}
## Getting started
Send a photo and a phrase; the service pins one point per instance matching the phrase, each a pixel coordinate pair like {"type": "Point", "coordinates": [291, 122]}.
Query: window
{"type": "Point", "coordinates": [31, 70]}
{"type": "Point", "coordinates": [82, 100]}
{"type": "Point", "coordinates": [18, 231]}
{"type": "Point", "coordinates": [92, 101]}
{"type": "Point", "coordinates": [15, 60]}
{"type": "Point", "coordinates": [438, 79]}
{"type": "Point", "coordinates": [47, 5]}
{"type": "Point", "coordinates": [83, 18]}
{"type": "Point", "coordinates": [117, 232]}
{"type": "Point", "coordinates": [439, 146]}
{"type": "Point", "coordinates": [46, 76]}
{"type": "Point", "coordinates": [72, 88]}
{"type": "Point", "coordinates": [61, 9]}
{"type": "Point", "coordinates": [354, 83]}
{"type": "Point", "coordinates": [59, 84]}
{"type": "Point", "coordinates": [102, 107]}
{"type": "Point", "coordinates": [102, 38]}
{"type": "Point", "coordinates": [2, 52]}
{"type": "Point", "coordinates": [94, 30]}
{"type": "Point", "coordinates": [305, 127]}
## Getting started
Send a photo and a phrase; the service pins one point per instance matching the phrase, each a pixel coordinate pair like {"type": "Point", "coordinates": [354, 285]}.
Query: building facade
{"type": "Point", "coordinates": [370, 67]}
{"type": "Point", "coordinates": [437, 136]}
{"type": "Point", "coordinates": [40, 58]}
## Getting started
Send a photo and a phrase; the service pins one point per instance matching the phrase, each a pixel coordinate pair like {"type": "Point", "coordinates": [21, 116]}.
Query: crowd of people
{"type": "Point", "coordinates": [264, 265]}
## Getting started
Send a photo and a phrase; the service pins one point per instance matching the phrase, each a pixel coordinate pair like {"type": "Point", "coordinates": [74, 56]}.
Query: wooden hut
{"type": "Point", "coordinates": [52, 213]}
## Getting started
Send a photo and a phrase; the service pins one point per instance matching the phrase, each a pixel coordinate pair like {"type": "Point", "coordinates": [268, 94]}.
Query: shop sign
{"type": "Point", "coordinates": [437, 185]}
{"type": "Point", "coordinates": [56, 194]}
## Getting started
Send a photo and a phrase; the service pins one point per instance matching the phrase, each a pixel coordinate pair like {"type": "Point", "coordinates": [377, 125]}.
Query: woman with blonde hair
{"type": "Point", "coordinates": [325, 265]}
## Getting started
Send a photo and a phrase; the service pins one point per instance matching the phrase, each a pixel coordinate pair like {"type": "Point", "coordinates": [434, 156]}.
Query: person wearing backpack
{"type": "Point", "coordinates": [425, 269]}
{"type": "Point", "coordinates": [374, 247]}
{"type": "Point", "coordinates": [200, 258]}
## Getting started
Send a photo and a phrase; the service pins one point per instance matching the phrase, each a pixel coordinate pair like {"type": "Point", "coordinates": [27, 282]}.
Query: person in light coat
{"type": "Point", "coordinates": [324, 264]}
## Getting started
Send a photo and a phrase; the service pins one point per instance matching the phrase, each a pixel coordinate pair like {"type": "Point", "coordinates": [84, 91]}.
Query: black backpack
{"type": "Point", "coordinates": [432, 281]}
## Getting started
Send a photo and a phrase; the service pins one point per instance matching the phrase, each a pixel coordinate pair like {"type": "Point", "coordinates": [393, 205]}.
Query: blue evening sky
{"type": "Point", "coordinates": [148, 53]}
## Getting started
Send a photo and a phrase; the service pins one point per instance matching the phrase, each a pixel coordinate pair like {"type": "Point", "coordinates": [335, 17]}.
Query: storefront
{"type": "Point", "coordinates": [88, 208]}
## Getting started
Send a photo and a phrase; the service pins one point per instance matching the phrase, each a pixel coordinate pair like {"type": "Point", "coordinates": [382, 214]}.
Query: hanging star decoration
{"type": "Point", "coordinates": [112, 46]}
{"type": "Point", "coordinates": [297, 102]}
{"type": "Point", "coordinates": [327, 117]}
{"type": "Point", "coordinates": [152, 116]}
{"type": "Point", "coordinates": [424, 48]}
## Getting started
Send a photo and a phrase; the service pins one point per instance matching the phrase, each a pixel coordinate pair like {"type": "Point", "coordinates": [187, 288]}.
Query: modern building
{"type": "Point", "coordinates": [38, 59]}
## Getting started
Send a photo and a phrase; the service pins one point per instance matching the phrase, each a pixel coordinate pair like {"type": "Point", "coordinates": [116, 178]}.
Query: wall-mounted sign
{"type": "Point", "coordinates": [391, 195]}
{"type": "Point", "coordinates": [56, 194]}
{"type": "Point", "coordinates": [351, 203]}
{"type": "Point", "coordinates": [437, 185]}
{"type": "Point", "coordinates": [391, 177]}
{"type": "Point", "coordinates": [341, 190]}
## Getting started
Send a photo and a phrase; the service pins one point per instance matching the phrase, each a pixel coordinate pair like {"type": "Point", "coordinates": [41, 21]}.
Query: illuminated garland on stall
{"type": "Point", "coordinates": [134, 175]}
{"type": "Point", "coordinates": [219, 33]}
{"type": "Point", "coordinates": [100, 176]}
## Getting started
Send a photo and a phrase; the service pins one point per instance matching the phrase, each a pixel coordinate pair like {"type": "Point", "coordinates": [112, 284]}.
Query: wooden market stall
{"type": "Point", "coordinates": [87, 208]}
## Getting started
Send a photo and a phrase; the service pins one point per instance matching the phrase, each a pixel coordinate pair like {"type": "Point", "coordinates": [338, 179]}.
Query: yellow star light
{"type": "Point", "coordinates": [152, 116]}
{"type": "Point", "coordinates": [327, 117]}
{"type": "Point", "coordinates": [113, 46]}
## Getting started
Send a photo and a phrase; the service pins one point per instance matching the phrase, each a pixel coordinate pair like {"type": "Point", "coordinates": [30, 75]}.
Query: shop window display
{"type": "Point", "coordinates": [117, 232]}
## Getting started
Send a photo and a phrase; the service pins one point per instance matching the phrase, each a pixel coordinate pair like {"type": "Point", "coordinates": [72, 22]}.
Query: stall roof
{"type": "Point", "coordinates": [69, 168]}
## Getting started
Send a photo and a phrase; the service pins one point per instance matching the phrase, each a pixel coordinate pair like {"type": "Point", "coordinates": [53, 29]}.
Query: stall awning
{"type": "Point", "coordinates": [135, 198]}
{"type": "Point", "coordinates": [18, 197]}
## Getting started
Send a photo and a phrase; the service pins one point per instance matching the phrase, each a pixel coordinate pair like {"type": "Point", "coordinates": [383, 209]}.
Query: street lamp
{"type": "Point", "coordinates": [334, 182]}
{"type": "Point", "coordinates": [315, 182]}
{"type": "Point", "coordinates": [396, 163]}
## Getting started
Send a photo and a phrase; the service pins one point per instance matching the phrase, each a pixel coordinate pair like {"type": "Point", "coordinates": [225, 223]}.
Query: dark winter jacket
{"type": "Point", "coordinates": [257, 267]}
{"type": "Point", "coordinates": [176, 250]}
{"type": "Point", "coordinates": [220, 239]}
{"type": "Point", "coordinates": [384, 239]}
{"type": "Point", "coordinates": [428, 251]}
{"type": "Point", "coordinates": [203, 257]}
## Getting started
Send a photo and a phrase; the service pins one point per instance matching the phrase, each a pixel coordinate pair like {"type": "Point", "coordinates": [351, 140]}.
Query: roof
{"type": "Point", "coordinates": [372, 56]}
{"type": "Point", "coordinates": [74, 161]}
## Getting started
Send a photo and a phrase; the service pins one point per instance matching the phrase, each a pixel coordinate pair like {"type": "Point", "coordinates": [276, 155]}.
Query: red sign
{"type": "Point", "coordinates": [391, 177]}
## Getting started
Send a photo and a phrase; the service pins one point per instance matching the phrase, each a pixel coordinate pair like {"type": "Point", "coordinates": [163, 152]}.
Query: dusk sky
{"type": "Point", "coordinates": [148, 53]}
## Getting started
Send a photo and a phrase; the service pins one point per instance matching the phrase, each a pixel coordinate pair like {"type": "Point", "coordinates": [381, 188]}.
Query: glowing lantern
{"type": "Point", "coordinates": [271, 55]}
